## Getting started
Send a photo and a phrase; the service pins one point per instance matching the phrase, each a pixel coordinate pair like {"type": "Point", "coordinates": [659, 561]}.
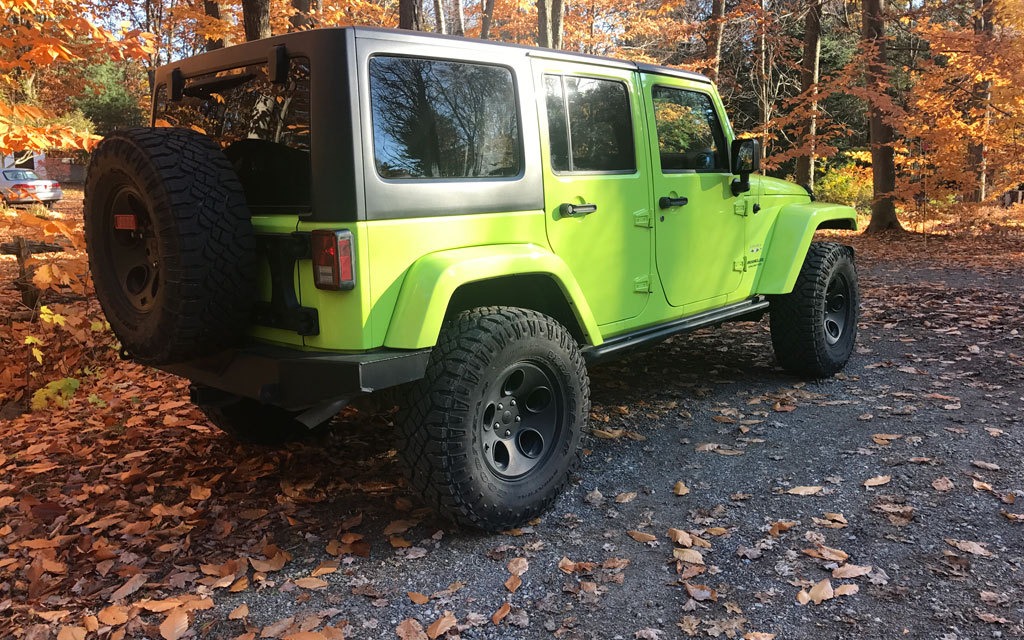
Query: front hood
{"type": "Point", "coordinates": [766, 186]}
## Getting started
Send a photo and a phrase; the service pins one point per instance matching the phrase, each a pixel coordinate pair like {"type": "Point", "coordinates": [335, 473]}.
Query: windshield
{"type": "Point", "coordinates": [20, 174]}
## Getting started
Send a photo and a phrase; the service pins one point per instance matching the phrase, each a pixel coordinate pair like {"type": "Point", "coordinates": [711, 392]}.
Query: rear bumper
{"type": "Point", "coordinates": [296, 380]}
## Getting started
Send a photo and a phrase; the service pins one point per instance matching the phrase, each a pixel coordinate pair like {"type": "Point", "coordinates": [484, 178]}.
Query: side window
{"type": "Point", "coordinates": [689, 135]}
{"type": "Point", "coordinates": [589, 124]}
{"type": "Point", "coordinates": [443, 119]}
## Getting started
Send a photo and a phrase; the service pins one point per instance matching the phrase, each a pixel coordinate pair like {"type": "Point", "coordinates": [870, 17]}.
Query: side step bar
{"type": "Point", "coordinates": [618, 345]}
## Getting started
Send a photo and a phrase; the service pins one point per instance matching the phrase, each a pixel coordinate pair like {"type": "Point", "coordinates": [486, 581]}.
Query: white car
{"type": "Point", "coordinates": [22, 186]}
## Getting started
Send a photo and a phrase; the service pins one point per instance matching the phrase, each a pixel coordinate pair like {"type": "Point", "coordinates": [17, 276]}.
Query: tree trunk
{"type": "Point", "coordinates": [977, 150]}
{"type": "Point", "coordinates": [212, 10]}
{"type": "Point", "coordinates": [440, 24]}
{"type": "Point", "coordinates": [256, 19]}
{"type": "Point", "coordinates": [544, 23]}
{"type": "Point", "coordinates": [764, 88]}
{"type": "Point", "coordinates": [458, 27]}
{"type": "Point", "coordinates": [716, 33]}
{"type": "Point", "coordinates": [301, 19]}
{"type": "Point", "coordinates": [410, 15]}
{"type": "Point", "coordinates": [883, 169]}
{"type": "Point", "coordinates": [557, 15]}
{"type": "Point", "coordinates": [809, 86]}
{"type": "Point", "coordinates": [486, 19]}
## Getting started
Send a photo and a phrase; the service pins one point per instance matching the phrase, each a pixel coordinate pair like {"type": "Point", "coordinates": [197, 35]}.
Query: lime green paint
{"type": "Point", "coordinates": [789, 238]}
{"type": "Point", "coordinates": [608, 250]}
{"type": "Point", "coordinates": [697, 243]}
{"type": "Point", "coordinates": [433, 279]}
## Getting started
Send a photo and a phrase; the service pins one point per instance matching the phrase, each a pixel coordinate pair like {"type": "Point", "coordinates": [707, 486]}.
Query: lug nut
{"type": "Point", "coordinates": [518, 418]}
{"type": "Point", "coordinates": [512, 402]}
{"type": "Point", "coordinates": [500, 407]}
{"type": "Point", "coordinates": [496, 425]}
{"type": "Point", "coordinates": [507, 433]}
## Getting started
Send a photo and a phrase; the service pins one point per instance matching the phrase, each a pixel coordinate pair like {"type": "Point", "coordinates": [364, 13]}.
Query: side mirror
{"type": "Point", "coordinates": [746, 159]}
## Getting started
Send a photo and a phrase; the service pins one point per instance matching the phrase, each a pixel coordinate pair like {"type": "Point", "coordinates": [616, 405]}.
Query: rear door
{"type": "Point", "coordinates": [596, 184]}
{"type": "Point", "coordinates": [699, 234]}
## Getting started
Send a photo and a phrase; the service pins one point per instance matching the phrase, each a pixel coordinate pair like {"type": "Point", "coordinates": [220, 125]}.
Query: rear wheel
{"type": "Point", "coordinates": [815, 326]}
{"type": "Point", "coordinates": [496, 426]}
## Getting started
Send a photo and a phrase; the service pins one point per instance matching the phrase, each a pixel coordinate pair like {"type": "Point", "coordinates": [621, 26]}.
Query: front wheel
{"type": "Point", "coordinates": [495, 429]}
{"type": "Point", "coordinates": [815, 326]}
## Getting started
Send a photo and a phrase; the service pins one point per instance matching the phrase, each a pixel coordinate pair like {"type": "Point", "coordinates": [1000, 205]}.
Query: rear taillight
{"type": "Point", "coordinates": [333, 266]}
{"type": "Point", "coordinates": [55, 185]}
{"type": "Point", "coordinates": [20, 188]}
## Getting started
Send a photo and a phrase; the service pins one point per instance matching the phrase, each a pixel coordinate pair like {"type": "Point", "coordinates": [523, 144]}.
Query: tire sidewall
{"type": "Point", "coordinates": [546, 479]}
{"type": "Point", "coordinates": [839, 265]}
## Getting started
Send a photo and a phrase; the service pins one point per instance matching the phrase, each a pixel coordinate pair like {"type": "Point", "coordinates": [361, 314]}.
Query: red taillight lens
{"type": "Point", "coordinates": [55, 185]}
{"type": "Point", "coordinates": [333, 265]}
{"type": "Point", "coordinates": [20, 187]}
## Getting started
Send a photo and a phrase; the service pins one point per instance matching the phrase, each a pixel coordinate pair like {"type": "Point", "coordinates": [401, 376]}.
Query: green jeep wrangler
{"type": "Point", "coordinates": [334, 212]}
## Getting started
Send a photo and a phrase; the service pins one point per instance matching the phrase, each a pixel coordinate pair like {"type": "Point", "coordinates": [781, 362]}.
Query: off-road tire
{"type": "Point", "coordinates": [194, 283]}
{"type": "Point", "coordinates": [815, 326]}
{"type": "Point", "coordinates": [483, 356]}
{"type": "Point", "coordinates": [252, 422]}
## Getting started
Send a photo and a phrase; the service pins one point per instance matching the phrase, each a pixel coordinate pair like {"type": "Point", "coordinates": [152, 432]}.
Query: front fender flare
{"type": "Point", "coordinates": [432, 280]}
{"type": "Point", "coordinates": [791, 237]}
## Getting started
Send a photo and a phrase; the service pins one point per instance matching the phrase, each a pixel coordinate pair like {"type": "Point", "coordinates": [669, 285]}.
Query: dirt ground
{"type": "Point", "coordinates": [882, 498]}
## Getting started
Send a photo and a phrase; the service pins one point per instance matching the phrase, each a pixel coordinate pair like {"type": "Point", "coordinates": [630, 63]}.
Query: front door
{"type": "Point", "coordinates": [596, 185]}
{"type": "Point", "coordinates": [699, 233]}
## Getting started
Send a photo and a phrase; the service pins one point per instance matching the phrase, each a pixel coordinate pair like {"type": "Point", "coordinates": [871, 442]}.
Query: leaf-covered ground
{"type": "Point", "coordinates": [721, 497]}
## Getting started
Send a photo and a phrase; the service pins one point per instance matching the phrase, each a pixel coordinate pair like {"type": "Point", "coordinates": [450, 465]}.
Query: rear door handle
{"type": "Point", "coordinates": [666, 202]}
{"type": "Point", "coordinates": [569, 210]}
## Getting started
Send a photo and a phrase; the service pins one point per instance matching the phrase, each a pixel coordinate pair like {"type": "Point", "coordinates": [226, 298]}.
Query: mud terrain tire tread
{"type": "Point", "coordinates": [206, 244]}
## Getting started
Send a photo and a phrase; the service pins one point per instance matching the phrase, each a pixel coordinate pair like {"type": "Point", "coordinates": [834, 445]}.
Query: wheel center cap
{"type": "Point", "coordinates": [506, 418]}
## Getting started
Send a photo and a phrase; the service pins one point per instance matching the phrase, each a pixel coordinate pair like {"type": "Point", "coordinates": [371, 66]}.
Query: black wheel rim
{"type": "Point", "coordinates": [838, 308]}
{"type": "Point", "coordinates": [134, 256]}
{"type": "Point", "coordinates": [522, 420]}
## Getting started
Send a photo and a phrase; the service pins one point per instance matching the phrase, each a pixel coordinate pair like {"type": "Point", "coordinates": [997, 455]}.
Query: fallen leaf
{"type": "Point", "coordinates": [803, 597]}
{"type": "Point", "coordinates": [311, 583]}
{"type": "Point", "coordinates": [640, 536]}
{"type": "Point", "coordinates": [877, 481]}
{"type": "Point", "coordinates": [688, 555]}
{"type": "Point", "coordinates": [518, 566]}
{"type": "Point", "coordinates": [846, 590]}
{"type": "Point", "coordinates": [1012, 517]}
{"type": "Point", "coordinates": [113, 615]}
{"type": "Point", "coordinates": [989, 466]}
{"type": "Point", "coordinates": [827, 553]}
{"type": "Point", "coordinates": [781, 527]}
{"type": "Point", "coordinates": [273, 564]}
{"type": "Point", "coordinates": [175, 625]}
{"type": "Point", "coordinates": [417, 597]}
{"type": "Point", "coordinates": [758, 635]}
{"type": "Point", "coordinates": [990, 618]}
{"type": "Point", "coordinates": [513, 583]}
{"type": "Point", "coordinates": [410, 629]}
{"type": "Point", "coordinates": [851, 571]}
{"type": "Point", "coordinates": [679, 536]}
{"type": "Point", "coordinates": [442, 625]}
{"type": "Point", "coordinates": [803, 491]}
{"type": "Point", "coordinates": [200, 493]}
{"type": "Point", "coordinates": [133, 584]}
{"type": "Point", "coordinates": [821, 592]}
{"type": "Point", "coordinates": [500, 614]}
{"type": "Point", "coordinates": [239, 612]}
{"type": "Point", "coordinates": [970, 547]}
{"type": "Point", "coordinates": [680, 488]}
{"type": "Point", "coordinates": [71, 633]}
{"type": "Point", "coordinates": [623, 498]}
{"type": "Point", "coordinates": [701, 592]}
{"type": "Point", "coordinates": [942, 484]}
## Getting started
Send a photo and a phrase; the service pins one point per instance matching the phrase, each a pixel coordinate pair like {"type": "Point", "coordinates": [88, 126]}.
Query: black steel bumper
{"type": "Point", "coordinates": [296, 380]}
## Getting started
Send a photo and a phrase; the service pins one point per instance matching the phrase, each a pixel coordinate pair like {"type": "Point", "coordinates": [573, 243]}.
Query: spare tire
{"type": "Point", "coordinates": [171, 244]}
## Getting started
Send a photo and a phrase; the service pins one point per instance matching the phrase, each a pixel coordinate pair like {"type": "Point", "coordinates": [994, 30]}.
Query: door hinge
{"type": "Point", "coordinates": [740, 264]}
{"type": "Point", "coordinates": [642, 284]}
{"type": "Point", "coordinates": [740, 207]}
{"type": "Point", "coordinates": [643, 219]}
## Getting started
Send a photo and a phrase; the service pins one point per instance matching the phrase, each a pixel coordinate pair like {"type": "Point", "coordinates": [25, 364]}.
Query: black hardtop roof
{"type": "Point", "coordinates": [257, 50]}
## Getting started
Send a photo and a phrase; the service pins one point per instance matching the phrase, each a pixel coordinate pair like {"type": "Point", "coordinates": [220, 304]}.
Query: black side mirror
{"type": "Point", "coordinates": [746, 159]}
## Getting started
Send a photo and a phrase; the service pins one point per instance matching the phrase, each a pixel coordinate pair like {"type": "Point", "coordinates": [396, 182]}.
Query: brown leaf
{"type": "Point", "coordinates": [441, 625]}
{"type": "Point", "coordinates": [625, 497]}
{"type": "Point", "coordinates": [274, 564]}
{"type": "Point", "coordinates": [804, 490]}
{"type": "Point", "coordinates": [781, 526]}
{"type": "Point", "coordinates": [701, 592]}
{"type": "Point", "coordinates": [518, 566]}
{"type": "Point", "coordinates": [877, 481]}
{"type": "Point", "coordinates": [851, 571]}
{"type": "Point", "coordinates": [200, 493]}
{"type": "Point", "coordinates": [500, 614]}
{"type": "Point", "coordinates": [1012, 517]}
{"type": "Point", "coordinates": [311, 583]}
{"type": "Point", "coordinates": [399, 526]}
{"type": "Point", "coordinates": [942, 484]}
{"type": "Point", "coordinates": [113, 615]}
{"type": "Point", "coordinates": [565, 565]}
{"type": "Point", "coordinates": [71, 633]}
{"type": "Point", "coordinates": [680, 488]}
{"type": "Point", "coordinates": [679, 536]}
{"type": "Point", "coordinates": [758, 635]}
{"type": "Point", "coordinates": [970, 547]}
{"type": "Point", "coordinates": [803, 597]}
{"type": "Point", "coordinates": [239, 612]}
{"type": "Point", "coordinates": [513, 583]}
{"type": "Point", "coordinates": [133, 584]}
{"type": "Point", "coordinates": [821, 591]}
{"type": "Point", "coordinates": [688, 555]}
{"type": "Point", "coordinates": [174, 625]}
{"type": "Point", "coordinates": [846, 590]}
{"type": "Point", "coordinates": [990, 618]}
{"type": "Point", "coordinates": [640, 536]}
{"type": "Point", "coordinates": [411, 629]}
{"type": "Point", "coordinates": [417, 597]}
{"type": "Point", "coordinates": [989, 466]}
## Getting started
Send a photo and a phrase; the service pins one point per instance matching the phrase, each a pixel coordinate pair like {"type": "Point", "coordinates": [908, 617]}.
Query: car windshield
{"type": "Point", "coordinates": [20, 174]}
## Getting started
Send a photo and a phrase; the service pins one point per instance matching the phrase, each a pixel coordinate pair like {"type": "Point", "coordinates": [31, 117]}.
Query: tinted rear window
{"type": "Point", "coordinates": [443, 119]}
{"type": "Point", "coordinates": [264, 129]}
